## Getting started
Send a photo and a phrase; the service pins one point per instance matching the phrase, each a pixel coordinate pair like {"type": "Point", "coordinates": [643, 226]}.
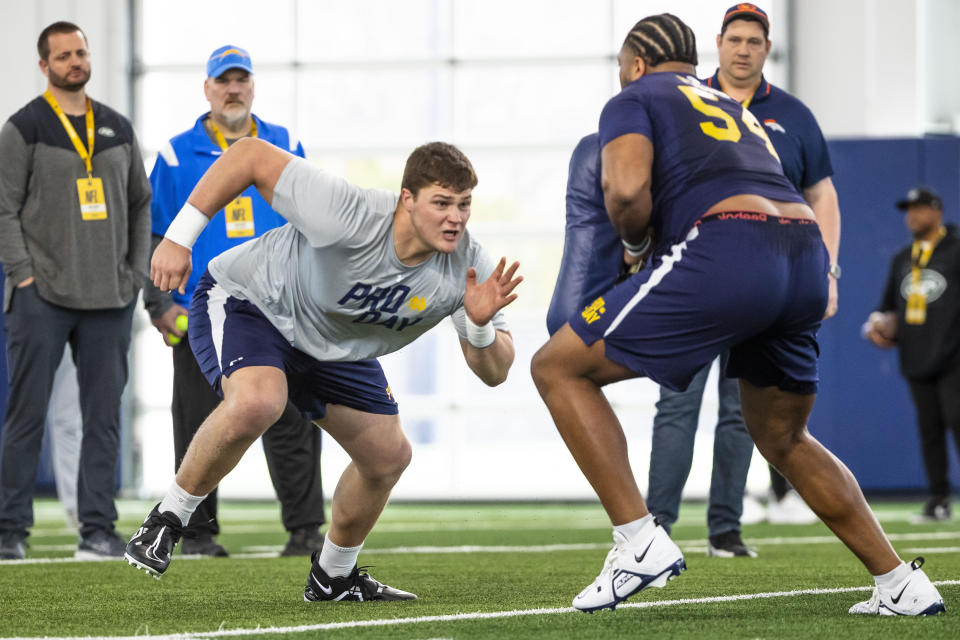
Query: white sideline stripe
{"type": "Point", "coordinates": [480, 615]}
{"type": "Point", "coordinates": [267, 551]}
{"type": "Point", "coordinates": [932, 550]}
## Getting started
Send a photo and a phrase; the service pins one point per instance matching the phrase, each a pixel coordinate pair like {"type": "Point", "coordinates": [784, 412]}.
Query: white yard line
{"type": "Point", "coordinates": [694, 546]}
{"type": "Point", "coordinates": [457, 617]}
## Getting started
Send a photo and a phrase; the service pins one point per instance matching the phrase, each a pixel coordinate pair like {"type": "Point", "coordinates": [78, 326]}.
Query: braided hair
{"type": "Point", "coordinates": [662, 38]}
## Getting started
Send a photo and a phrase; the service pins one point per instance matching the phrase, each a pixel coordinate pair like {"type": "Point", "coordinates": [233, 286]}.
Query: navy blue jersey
{"type": "Point", "coordinates": [793, 131]}
{"type": "Point", "coordinates": [707, 147]}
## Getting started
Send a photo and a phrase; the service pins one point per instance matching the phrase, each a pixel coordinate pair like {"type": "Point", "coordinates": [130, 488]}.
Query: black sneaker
{"type": "Point", "coordinates": [729, 544]}
{"type": "Point", "coordinates": [100, 544]}
{"type": "Point", "coordinates": [356, 586]}
{"type": "Point", "coordinates": [303, 541]}
{"type": "Point", "coordinates": [150, 547]}
{"type": "Point", "coordinates": [204, 544]}
{"type": "Point", "coordinates": [13, 545]}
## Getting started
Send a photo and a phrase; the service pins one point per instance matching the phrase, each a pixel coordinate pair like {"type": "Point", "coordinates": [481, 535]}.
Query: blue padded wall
{"type": "Point", "coordinates": [863, 412]}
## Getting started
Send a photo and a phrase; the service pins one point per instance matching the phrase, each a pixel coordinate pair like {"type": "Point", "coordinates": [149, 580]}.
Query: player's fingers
{"type": "Point", "coordinates": [512, 270]}
{"type": "Point", "coordinates": [508, 300]}
{"type": "Point", "coordinates": [498, 271]}
{"type": "Point", "coordinates": [471, 276]}
{"type": "Point", "coordinates": [512, 284]}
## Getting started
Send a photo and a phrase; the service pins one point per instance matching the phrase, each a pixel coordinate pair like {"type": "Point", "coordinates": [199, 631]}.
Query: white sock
{"type": "Point", "coordinates": [180, 503]}
{"type": "Point", "coordinates": [631, 530]}
{"type": "Point", "coordinates": [337, 561]}
{"type": "Point", "coordinates": [893, 578]}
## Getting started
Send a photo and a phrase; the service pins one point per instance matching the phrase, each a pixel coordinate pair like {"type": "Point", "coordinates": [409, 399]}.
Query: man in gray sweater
{"type": "Point", "coordinates": [74, 242]}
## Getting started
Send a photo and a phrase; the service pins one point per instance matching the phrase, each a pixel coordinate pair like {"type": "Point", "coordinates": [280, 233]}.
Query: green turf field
{"type": "Point", "coordinates": [481, 571]}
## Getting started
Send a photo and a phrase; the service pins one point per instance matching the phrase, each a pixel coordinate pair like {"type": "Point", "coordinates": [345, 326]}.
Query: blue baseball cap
{"type": "Point", "coordinates": [228, 57]}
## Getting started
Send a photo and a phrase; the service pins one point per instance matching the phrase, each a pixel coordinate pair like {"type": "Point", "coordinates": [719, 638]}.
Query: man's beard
{"type": "Point", "coordinates": [236, 117]}
{"type": "Point", "coordinates": [60, 82]}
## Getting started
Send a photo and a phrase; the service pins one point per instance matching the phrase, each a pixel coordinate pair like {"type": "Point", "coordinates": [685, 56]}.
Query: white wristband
{"type": "Point", "coordinates": [637, 250]}
{"type": "Point", "coordinates": [480, 336]}
{"type": "Point", "coordinates": [187, 226]}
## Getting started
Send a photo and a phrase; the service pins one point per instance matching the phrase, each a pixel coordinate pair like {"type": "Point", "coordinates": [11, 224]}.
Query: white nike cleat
{"type": "Point", "coordinates": [631, 567]}
{"type": "Point", "coordinates": [915, 596]}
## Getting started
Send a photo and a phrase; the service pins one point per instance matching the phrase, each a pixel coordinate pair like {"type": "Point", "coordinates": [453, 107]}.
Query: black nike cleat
{"type": "Point", "coordinates": [358, 586]}
{"type": "Point", "coordinates": [151, 546]}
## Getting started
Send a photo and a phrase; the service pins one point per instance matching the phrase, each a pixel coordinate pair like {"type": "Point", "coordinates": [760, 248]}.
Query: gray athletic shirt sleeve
{"type": "Point", "coordinates": [330, 280]}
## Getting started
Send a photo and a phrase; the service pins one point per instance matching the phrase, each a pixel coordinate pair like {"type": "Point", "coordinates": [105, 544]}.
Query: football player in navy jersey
{"type": "Point", "coordinates": [738, 263]}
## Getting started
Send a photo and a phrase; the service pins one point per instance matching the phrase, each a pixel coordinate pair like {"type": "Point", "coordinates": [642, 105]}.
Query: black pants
{"type": "Point", "coordinates": [99, 340]}
{"type": "Point", "coordinates": [292, 448]}
{"type": "Point", "coordinates": [937, 401]}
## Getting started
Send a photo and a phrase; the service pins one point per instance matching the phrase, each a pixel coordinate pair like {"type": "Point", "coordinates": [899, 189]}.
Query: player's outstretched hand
{"type": "Point", "coordinates": [170, 266]}
{"type": "Point", "coordinates": [482, 301]}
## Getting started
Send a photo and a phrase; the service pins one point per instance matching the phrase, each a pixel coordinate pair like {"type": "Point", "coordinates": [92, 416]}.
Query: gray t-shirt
{"type": "Point", "coordinates": [331, 282]}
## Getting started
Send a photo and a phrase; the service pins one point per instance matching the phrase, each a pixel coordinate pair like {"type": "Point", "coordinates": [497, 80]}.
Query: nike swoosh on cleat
{"type": "Point", "coordinates": [644, 554]}
{"type": "Point", "coordinates": [325, 589]}
{"type": "Point", "coordinates": [900, 595]}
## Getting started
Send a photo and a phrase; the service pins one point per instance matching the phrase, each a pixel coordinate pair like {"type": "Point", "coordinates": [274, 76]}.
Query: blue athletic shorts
{"type": "Point", "coordinates": [227, 334]}
{"type": "Point", "coordinates": [748, 282]}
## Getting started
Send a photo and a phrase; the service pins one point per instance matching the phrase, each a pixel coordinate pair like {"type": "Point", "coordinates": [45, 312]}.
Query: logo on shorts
{"type": "Point", "coordinates": [417, 303]}
{"type": "Point", "coordinates": [593, 312]}
{"type": "Point", "coordinates": [389, 393]}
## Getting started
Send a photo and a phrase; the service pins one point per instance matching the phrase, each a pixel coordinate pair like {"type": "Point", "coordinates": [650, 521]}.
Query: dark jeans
{"type": "Point", "coordinates": [937, 401]}
{"type": "Point", "coordinates": [292, 448]}
{"type": "Point", "coordinates": [99, 340]}
{"type": "Point", "coordinates": [674, 431]}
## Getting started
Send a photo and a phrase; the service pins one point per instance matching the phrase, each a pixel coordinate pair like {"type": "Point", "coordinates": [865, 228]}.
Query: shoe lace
{"type": "Point", "coordinates": [173, 524]}
{"type": "Point", "coordinates": [364, 582]}
{"type": "Point", "coordinates": [917, 562]}
{"type": "Point", "coordinates": [612, 555]}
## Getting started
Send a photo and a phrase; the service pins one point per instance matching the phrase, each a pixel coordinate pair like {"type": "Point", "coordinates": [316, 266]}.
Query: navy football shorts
{"type": "Point", "coordinates": [227, 334]}
{"type": "Point", "coordinates": [748, 282]}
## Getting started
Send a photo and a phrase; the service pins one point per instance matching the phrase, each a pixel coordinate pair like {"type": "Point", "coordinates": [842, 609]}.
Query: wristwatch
{"type": "Point", "coordinates": [835, 271]}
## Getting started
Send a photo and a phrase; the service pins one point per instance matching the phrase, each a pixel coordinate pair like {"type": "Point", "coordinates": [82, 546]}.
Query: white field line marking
{"type": "Point", "coordinates": [266, 551]}
{"type": "Point", "coordinates": [480, 615]}
{"type": "Point", "coordinates": [932, 550]}
{"type": "Point", "coordinates": [460, 523]}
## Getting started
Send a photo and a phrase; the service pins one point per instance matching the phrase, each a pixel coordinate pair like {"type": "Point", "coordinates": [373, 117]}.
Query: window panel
{"type": "Point", "coordinates": [371, 109]}
{"type": "Point", "coordinates": [532, 28]}
{"type": "Point", "coordinates": [372, 30]}
{"type": "Point", "coordinates": [187, 31]}
{"type": "Point", "coordinates": [529, 104]}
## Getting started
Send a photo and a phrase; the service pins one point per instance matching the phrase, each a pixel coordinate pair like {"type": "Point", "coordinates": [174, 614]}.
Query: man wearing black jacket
{"type": "Point", "coordinates": [920, 313]}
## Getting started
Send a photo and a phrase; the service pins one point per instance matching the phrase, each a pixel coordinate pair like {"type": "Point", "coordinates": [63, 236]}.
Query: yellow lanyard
{"type": "Point", "coordinates": [74, 138]}
{"type": "Point", "coordinates": [921, 253]}
{"type": "Point", "coordinates": [221, 141]}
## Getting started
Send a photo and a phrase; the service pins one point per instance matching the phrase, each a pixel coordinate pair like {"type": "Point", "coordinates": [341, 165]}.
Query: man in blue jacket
{"type": "Point", "coordinates": [292, 445]}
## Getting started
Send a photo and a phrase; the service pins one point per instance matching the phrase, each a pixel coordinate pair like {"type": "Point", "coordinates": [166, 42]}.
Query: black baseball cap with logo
{"type": "Point", "coordinates": [920, 196]}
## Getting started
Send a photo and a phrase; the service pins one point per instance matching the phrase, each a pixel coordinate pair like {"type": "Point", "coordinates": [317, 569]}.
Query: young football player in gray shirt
{"type": "Point", "coordinates": [304, 311]}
